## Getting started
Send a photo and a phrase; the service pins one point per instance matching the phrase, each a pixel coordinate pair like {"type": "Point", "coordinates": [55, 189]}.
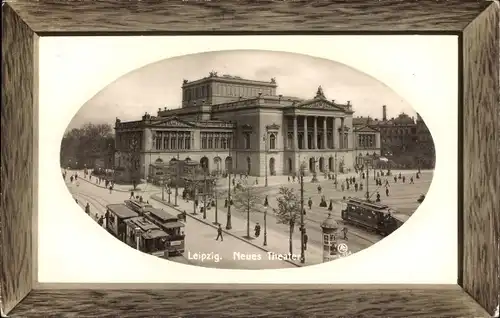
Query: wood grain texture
{"type": "Point", "coordinates": [481, 144]}
{"type": "Point", "coordinates": [17, 181]}
{"type": "Point", "coordinates": [481, 227]}
{"type": "Point", "coordinates": [250, 303]}
{"type": "Point", "coordinates": [236, 16]}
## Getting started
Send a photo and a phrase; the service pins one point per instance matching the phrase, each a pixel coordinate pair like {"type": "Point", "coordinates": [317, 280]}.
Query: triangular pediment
{"type": "Point", "coordinates": [175, 122]}
{"type": "Point", "coordinates": [319, 103]}
{"type": "Point", "coordinates": [367, 129]}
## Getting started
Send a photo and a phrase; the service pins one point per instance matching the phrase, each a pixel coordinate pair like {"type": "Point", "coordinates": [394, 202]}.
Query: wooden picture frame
{"type": "Point", "coordinates": [477, 292]}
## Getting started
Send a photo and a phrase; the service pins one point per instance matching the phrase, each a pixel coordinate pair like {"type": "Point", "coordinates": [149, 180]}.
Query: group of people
{"type": "Point", "coordinates": [99, 219]}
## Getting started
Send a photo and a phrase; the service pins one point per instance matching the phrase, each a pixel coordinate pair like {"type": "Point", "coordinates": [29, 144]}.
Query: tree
{"type": "Point", "coordinates": [86, 144]}
{"type": "Point", "coordinates": [288, 211]}
{"type": "Point", "coordinates": [193, 182]}
{"type": "Point", "coordinates": [246, 199]}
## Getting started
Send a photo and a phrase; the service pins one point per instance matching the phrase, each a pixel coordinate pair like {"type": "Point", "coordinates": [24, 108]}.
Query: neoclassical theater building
{"type": "Point", "coordinates": [227, 122]}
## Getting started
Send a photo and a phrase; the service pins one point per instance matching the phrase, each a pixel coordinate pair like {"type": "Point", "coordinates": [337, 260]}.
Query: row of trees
{"type": "Point", "coordinates": [288, 210]}
{"type": "Point", "coordinates": [87, 145]}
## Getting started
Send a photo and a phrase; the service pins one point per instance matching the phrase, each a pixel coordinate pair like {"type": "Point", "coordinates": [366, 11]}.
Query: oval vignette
{"type": "Point", "coordinates": [214, 179]}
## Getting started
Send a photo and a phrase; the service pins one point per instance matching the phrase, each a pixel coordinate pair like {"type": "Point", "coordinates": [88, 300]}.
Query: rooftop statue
{"type": "Point", "coordinates": [320, 93]}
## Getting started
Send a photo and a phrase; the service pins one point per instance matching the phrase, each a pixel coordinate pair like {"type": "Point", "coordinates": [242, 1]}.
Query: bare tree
{"type": "Point", "coordinates": [246, 199]}
{"type": "Point", "coordinates": [289, 211]}
{"type": "Point", "coordinates": [193, 182]}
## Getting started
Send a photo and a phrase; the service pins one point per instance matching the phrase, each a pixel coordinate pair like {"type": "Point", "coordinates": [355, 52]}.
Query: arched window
{"type": "Point", "coordinates": [272, 141]}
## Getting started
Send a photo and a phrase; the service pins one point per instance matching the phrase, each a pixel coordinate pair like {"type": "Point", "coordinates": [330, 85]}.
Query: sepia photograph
{"type": "Point", "coordinates": [281, 161]}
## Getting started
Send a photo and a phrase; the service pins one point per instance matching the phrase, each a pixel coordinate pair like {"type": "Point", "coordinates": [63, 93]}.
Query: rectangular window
{"type": "Point", "coordinates": [180, 142]}
{"type": "Point", "coordinates": [216, 146]}
{"type": "Point", "coordinates": [210, 143]}
{"type": "Point", "coordinates": [187, 143]}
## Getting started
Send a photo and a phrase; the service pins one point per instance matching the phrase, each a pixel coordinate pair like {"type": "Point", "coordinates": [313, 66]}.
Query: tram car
{"type": "Point", "coordinates": [147, 237]}
{"type": "Point", "coordinates": [371, 216]}
{"type": "Point", "coordinates": [116, 215]}
{"type": "Point", "coordinates": [172, 226]}
{"type": "Point", "coordinates": [138, 206]}
{"type": "Point", "coordinates": [137, 231]}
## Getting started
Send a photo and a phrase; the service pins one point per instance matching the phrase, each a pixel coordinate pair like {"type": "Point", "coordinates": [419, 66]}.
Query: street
{"type": "Point", "coordinates": [201, 247]}
{"type": "Point", "coordinates": [402, 197]}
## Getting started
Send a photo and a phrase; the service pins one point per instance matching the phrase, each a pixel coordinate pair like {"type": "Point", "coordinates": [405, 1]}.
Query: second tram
{"type": "Point", "coordinates": [372, 216]}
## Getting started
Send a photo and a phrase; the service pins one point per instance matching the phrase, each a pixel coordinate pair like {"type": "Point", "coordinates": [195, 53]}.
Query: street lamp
{"type": "Point", "coordinates": [301, 176]}
{"type": "Point", "coordinates": [216, 203]}
{"type": "Point", "coordinates": [176, 180]}
{"type": "Point", "coordinates": [205, 192]}
{"type": "Point", "coordinates": [230, 170]}
{"type": "Point", "coordinates": [266, 205]}
{"type": "Point", "coordinates": [264, 138]}
{"type": "Point", "coordinates": [361, 166]}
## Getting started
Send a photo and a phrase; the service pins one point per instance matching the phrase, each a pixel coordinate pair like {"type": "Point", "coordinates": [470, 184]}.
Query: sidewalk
{"type": "Point", "coordinates": [276, 242]}
{"type": "Point", "coordinates": [116, 187]}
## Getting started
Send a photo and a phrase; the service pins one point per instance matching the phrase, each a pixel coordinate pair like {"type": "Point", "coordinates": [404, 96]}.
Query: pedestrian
{"type": "Point", "coordinates": [87, 208]}
{"type": "Point", "coordinates": [100, 221]}
{"type": "Point", "coordinates": [71, 179]}
{"type": "Point", "coordinates": [344, 231]}
{"type": "Point", "coordinates": [360, 187]}
{"type": "Point", "coordinates": [387, 192]}
{"type": "Point", "coordinates": [319, 189]}
{"type": "Point", "coordinates": [219, 234]}
{"type": "Point", "coordinates": [257, 229]}
{"type": "Point", "coordinates": [399, 176]}
{"type": "Point", "coordinates": [131, 194]}
{"type": "Point", "coordinates": [356, 187]}
{"type": "Point", "coordinates": [76, 176]}
{"type": "Point", "coordinates": [404, 179]}
{"type": "Point", "coordinates": [97, 216]}
{"type": "Point", "coordinates": [76, 200]}
{"type": "Point", "coordinates": [347, 186]}
{"type": "Point", "coordinates": [378, 197]}
{"type": "Point", "coordinates": [225, 203]}
{"type": "Point", "coordinates": [111, 189]}
{"type": "Point", "coordinates": [395, 179]}
{"type": "Point", "coordinates": [293, 178]}
{"type": "Point", "coordinates": [411, 180]}
{"type": "Point", "coordinates": [310, 203]}
{"type": "Point", "coordinates": [330, 207]}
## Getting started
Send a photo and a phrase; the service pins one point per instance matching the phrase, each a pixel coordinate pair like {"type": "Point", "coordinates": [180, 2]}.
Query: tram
{"type": "Point", "coordinates": [147, 237]}
{"type": "Point", "coordinates": [138, 206]}
{"type": "Point", "coordinates": [137, 231]}
{"type": "Point", "coordinates": [372, 216]}
{"type": "Point", "coordinates": [172, 226]}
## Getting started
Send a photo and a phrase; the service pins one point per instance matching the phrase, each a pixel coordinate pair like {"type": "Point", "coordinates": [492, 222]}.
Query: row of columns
{"type": "Point", "coordinates": [315, 127]}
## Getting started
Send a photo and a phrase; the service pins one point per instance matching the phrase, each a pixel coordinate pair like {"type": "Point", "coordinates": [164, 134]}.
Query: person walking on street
{"type": "Point", "coordinates": [219, 234]}
{"type": "Point", "coordinates": [257, 229]}
{"type": "Point", "coordinates": [344, 231]}
{"type": "Point", "coordinates": [87, 208]}
{"type": "Point", "coordinates": [310, 203]}
{"type": "Point", "coordinates": [386, 192]}
{"type": "Point", "coordinates": [111, 189]}
{"type": "Point", "coordinates": [131, 194]}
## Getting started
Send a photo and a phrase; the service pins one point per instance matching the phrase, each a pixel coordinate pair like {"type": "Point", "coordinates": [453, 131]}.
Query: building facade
{"type": "Point", "coordinates": [405, 140]}
{"type": "Point", "coordinates": [229, 123]}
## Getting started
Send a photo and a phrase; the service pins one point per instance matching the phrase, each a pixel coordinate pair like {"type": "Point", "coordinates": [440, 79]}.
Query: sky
{"type": "Point", "coordinates": [158, 85]}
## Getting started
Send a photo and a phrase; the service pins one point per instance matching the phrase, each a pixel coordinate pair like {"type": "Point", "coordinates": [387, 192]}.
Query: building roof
{"type": "Point", "coordinates": [214, 76]}
{"type": "Point", "coordinates": [402, 120]}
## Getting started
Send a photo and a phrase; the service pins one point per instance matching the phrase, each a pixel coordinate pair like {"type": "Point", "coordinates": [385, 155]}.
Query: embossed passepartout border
{"type": "Point", "coordinates": [476, 23]}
